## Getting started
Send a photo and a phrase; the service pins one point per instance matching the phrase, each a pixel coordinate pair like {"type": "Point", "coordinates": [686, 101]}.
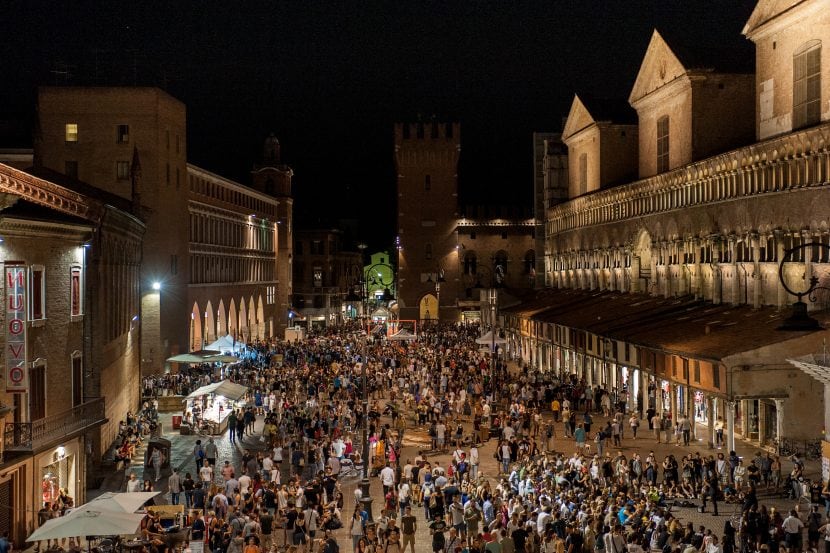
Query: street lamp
{"type": "Point", "coordinates": [375, 280]}
{"type": "Point", "coordinates": [439, 279]}
{"type": "Point", "coordinates": [157, 286]}
{"type": "Point", "coordinates": [492, 300]}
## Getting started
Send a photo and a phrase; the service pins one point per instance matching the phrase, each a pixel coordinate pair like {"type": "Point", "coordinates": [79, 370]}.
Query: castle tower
{"type": "Point", "coordinates": [426, 157]}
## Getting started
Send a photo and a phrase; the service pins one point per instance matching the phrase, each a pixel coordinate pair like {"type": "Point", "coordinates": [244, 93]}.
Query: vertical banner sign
{"type": "Point", "coordinates": [15, 329]}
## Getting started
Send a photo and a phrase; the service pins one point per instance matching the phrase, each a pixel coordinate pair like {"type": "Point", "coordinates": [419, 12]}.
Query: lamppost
{"type": "Point", "coordinates": [492, 300]}
{"type": "Point", "coordinates": [800, 320]}
{"type": "Point", "coordinates": [438, 280]}
{"type": "Point", "coordinates": [365, 498]}
{"type": "Point", "coordinates": [375, 279]}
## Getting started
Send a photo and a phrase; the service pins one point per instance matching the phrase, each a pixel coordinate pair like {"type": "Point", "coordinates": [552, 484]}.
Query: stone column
{"type": "Point", "coordinates": [779, 419]}
{"type": "Point", "coordinates": [736, 282]}
{"type": "Point", "coordinates": [744, 418]}
{"type": "Point", "coordinates": [762, 423]}
{"type": "Point", "coordinates": [644, 386]}
{"type": "Point", "coordinates": [710, 420]}
{"type": "Point", "coordinates": [730, 425]}
{"type": "Point", "coordinates": [698, 278]}
{"type": "Point", "coordinates": [781, 299]}
{"type": "Point", "coordinates": [757, 283]}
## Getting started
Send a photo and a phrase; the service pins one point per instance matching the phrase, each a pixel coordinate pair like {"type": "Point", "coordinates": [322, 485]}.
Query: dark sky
{"type": "Point", "coordinates": [330, 78]}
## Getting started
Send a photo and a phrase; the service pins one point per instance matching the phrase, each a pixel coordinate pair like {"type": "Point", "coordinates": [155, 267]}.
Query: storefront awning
{"type": "Point", "coordinates": [225, 388]}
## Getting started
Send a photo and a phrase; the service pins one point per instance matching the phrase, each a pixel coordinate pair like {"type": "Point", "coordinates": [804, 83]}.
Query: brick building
{"type": "Point", "coordinates": [217, 253]}
{"type": "Point", "coordinates": [446, 253]}
{"type": "Point", "coordinates": [71, 256]}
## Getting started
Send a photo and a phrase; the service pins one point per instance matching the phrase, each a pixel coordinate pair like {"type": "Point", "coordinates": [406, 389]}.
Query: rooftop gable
{"type": "Point", "coordinates": [660, 66]}
{"type": "Point", "coordinates": [767, 10]}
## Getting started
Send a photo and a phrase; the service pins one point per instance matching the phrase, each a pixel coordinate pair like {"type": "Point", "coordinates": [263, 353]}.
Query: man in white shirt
{"type": "Point", "coordinates": [387, 478]}
{"type": "Point", "coordinates": [267, 467]}
{"type": "Point", "coordinates": [206, 472]}
{"type": "Point", "coordinates": [133, 484]}
{"type": "Point", "coordinates": [792, 527]}
{"type": "Point", "coordinates": [474, 460]}
{"type": "Point", "coordinates": [337, 448]}
{"type": "Point", "coordinates": [244, 484]}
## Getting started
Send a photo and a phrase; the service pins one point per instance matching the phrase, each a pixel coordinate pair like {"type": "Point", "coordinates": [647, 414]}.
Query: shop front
{"type": "Point", "coordinates": [59, 473]}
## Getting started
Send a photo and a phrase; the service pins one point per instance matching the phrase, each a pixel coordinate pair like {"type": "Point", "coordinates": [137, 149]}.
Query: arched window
{"type": "Point", "coordinates": [500, 267]}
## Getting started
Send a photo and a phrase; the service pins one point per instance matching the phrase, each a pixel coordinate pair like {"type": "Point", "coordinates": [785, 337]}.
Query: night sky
{"type": "Point", "coordinates": [331, 78]}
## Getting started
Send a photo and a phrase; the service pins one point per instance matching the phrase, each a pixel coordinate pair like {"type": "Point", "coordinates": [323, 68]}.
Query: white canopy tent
{"type": "Point", "coordinates": [225, 343]}
{"type": "Point", "coordinates": [225, 388]}
{"type": "Point", "coordinates": [403, 334]}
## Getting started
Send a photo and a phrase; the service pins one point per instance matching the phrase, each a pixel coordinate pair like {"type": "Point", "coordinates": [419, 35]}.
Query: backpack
{"type": "Point", "coordinates": [433, 500]}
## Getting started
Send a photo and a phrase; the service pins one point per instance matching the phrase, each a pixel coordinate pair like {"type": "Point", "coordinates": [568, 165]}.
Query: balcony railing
{"type": "Point", "coordinates": [793, 161]}
{"type": "Point", "coordinates": [31, 436]}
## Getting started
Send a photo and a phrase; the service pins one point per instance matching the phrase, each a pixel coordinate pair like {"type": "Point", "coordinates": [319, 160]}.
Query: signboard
{"type": "Point", "coordinates": [16, 381]}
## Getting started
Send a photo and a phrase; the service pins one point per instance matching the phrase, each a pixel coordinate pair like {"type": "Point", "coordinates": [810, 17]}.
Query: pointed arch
{"type": "Point", "coordinates": [233, 321]}
{"type": "Point", "coordinates": [428, 307]}
{"type": "Point", "coordinates": [210, 323]}
{"type": "Point", "coordinates": [260, 317]}
{"type": "Point", "coordinates": [196, 336]}
{"type": "Point", "coordinates": [221, 320]}
{"type": "Point", "coordinates": [253, 329]}
{"type": "Point", "coordinates": [244, 331]}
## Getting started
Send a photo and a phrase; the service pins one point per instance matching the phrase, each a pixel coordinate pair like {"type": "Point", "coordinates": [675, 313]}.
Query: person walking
{"type": "Point", "coordinates": [174, 484]}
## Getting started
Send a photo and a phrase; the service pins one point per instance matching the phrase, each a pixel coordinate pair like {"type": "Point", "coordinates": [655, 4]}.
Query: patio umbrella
{"type": "Point", "coordinates": [125, 502]}
{"type": "Point", "coordinates": [86, 521]}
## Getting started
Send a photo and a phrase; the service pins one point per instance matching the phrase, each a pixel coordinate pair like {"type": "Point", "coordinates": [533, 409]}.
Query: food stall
{"type": "Point", "coordinates": [207, 408]}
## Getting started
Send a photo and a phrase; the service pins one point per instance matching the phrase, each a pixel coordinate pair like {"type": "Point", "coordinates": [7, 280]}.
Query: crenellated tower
{"type": "Point", "coordinates": [426, 157]}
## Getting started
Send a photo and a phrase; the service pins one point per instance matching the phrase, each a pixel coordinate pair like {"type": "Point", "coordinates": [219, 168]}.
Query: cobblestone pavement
{"type": "Point", "coordinates": [416, 439]}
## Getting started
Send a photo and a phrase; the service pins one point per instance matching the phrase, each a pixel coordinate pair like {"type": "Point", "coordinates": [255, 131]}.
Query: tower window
{"type": "Point", "coordinates": [122, 170]}
{"type": "Point", "coordinates": [663, 144]}
{"type": "Point", "coordinates": [71, 132]}
{"type": "Point", "coordinates": [122, 134]}
{"type": "Point", "coordinates": [807, 85]}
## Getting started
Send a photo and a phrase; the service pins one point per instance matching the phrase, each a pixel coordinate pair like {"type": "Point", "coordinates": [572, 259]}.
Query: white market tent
{"type": "Point", "coordinates": [225, 388]}
{"type": "Point", "coordinates": [225, 343]}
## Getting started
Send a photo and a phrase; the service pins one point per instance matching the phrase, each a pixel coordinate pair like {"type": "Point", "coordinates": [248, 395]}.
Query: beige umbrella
{"type": "Point", "coordinates": [124, 502]}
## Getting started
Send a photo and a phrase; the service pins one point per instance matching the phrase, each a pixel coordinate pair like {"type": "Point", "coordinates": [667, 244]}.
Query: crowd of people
{"type": "Point", "coordinates": [563, 481]}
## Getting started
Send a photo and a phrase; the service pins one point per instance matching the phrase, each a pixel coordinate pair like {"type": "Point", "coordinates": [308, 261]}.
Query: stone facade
{"type": "Point", "coordinates": [782, 30]}
{"type": "Point", "coordinates": [699, 238]}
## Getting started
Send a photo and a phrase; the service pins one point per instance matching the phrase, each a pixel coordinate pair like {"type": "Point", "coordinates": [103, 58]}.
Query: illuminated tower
{"type": "Point", "coordinates": [426, 156]}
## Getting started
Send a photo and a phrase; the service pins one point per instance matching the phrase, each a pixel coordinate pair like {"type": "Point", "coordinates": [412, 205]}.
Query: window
{"type": "Point", "coordinates": [122, 134]}
{"type": "Point", "coordinates": [663, 144]}
{"type": "Point", "coordinates": [318, 277]}
{"type": "Point", "coordinates": [37, 390]}
{"type": "Point", "coordinates": [427, 251]}
{"type": "Point", "coordinates": [583, 174]}
{"type": "Point", "coordinates": [70, 169]}
{"type": "Point", "coordinates": [122, 170]}
{"type": "Point", "coordinates": [807, 85]}
{"type": "Point", "coordinates": [37, 293]}
{"type": "Point", "coordinates": [427, 183]}
{"type": "Point", "coordinates": [76, 292]}
{"type": "Point", "coordinates": [71, 132]}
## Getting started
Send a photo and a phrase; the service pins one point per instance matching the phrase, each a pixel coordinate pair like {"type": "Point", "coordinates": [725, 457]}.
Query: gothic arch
{"type": "Point", "coordinates": [196, 336]}
{"type": "Point", "coordinates": [260, 316]}
{"type": "Point", "coordinates": [210, 323]}
{"type": "Point", "coordinates": [244, 331]}
{"type": "Point", "coordinates": [233, 321]}
{"type": "Point", "coordinates": [221, 320]}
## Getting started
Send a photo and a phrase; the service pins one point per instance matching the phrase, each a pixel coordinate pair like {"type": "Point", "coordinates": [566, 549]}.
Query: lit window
{"type": "Point", "coordinates": [663, 144]}
{"type": "Point", "coordinates": [122, 134]}
{"type": "Point", "coordinates": [76, 291]}
{"type": "Point", "coordinates": [37, 293]}
{"type": "Point", "coordinates": [122, 170]}
{"type": "Point", "coordinates": [807, 85]}
{"type": "Point", "coordinates": [71, 132]}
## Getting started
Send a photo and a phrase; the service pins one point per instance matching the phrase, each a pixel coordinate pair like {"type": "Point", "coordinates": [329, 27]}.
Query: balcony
{"type": "Point", "coordinates": [783, 164]}
{"type": "Point", "coordinates": [33, 436]}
